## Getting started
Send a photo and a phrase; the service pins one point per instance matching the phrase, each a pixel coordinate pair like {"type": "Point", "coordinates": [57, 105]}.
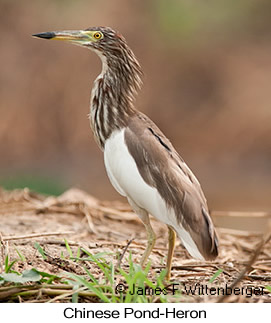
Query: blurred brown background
{"type": "Point", "coordinates": [207, 85]}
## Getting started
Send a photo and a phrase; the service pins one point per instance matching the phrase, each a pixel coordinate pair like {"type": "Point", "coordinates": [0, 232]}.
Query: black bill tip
{"type": "Point", "coordinates": [47, 35]}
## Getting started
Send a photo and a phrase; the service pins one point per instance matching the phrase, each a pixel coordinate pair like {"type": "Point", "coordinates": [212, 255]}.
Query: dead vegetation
{"type": "Point", "coordinates": [45, 233]}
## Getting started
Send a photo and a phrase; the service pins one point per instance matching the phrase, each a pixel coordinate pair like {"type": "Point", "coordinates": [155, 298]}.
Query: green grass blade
{"type": "Point", "coordinates": [112, 280]}
{"type": "Point", "coordinates": [95, 281]}
{"type": "Point", "coordinates": [212, 279]}
{"type": "Point", "coordinates": [78, 252]}
{"type": "Point", "coordinates": [8, 265]}
{"type": "Point", "coordinates": [40, 250]}
{"type": "Point", "coordinates": [91, 287]}
{"type": "Point", "coordinates": [75, 295]}
{"type": "Point", "coordinates": [46, 277]}
{"type": "Point", "coordinates": [68, 248]}
{"type": "Point", "coordinates": [22, 257]}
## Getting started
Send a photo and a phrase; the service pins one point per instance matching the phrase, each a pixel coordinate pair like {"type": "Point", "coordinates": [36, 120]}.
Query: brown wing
{"type": "Point", "coordinates": [161, 167]}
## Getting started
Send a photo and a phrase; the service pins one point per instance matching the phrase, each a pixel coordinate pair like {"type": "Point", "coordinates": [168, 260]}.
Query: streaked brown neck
{"type": "Point", "coordinates": [113, 93]}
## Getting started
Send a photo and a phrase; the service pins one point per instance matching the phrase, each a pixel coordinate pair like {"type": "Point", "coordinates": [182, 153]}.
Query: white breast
{"type": "Point", "coordinates": [126, 179]}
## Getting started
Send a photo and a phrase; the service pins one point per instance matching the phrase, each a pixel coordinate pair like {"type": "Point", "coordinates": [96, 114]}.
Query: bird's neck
{"type": "Point", "coordinates": [112, 95]}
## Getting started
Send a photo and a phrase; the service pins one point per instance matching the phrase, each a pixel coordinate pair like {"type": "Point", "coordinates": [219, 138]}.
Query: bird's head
{"type": "Point", "coordinates": [102, 39]}
{"type": "Point", "coordinates": [117, 57]}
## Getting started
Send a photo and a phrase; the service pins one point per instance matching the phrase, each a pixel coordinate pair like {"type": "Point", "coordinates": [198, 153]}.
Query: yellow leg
{"type": "Point", "coordinates": [171, 245]}
{"type": "Point", "coordinates": [151, 240]}
{"type": "Point", "coordinates": [144, 216]}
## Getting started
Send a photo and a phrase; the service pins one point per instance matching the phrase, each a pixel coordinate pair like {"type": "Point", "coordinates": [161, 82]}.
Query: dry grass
{"type": "Point", "coordinates": [29, 220]}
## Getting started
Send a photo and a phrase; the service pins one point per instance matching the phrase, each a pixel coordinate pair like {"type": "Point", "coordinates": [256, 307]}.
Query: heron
{"type": "Point", "coordinates": [140, 161]}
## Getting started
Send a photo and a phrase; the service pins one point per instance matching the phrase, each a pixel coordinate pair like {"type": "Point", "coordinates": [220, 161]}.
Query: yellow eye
{"type": "Point", "coordinates": [97, 35]}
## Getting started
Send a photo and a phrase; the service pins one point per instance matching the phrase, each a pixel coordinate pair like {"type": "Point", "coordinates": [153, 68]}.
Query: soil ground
{"type": "Point", "coordinates": [100, 226]}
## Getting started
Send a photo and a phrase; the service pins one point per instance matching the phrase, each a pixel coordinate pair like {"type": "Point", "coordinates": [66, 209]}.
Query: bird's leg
{"type": "Point", "coordinates": [144, 216]}
{"type": "Point", "coordinates": [151, 239]}
{"type": "Point", "coordinates": [171, 245]}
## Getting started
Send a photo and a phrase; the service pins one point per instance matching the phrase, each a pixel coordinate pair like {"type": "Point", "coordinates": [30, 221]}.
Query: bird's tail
{"type": "Point", "coordinates": [210, 239]}
{"type": "Point", "coordinates": [203, 243]}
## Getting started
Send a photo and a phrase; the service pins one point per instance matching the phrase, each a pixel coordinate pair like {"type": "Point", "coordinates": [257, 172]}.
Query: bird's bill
{"type": "Point", "coordinates": [75, 36]}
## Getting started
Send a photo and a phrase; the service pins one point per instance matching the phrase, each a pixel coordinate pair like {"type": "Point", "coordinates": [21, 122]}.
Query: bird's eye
{"type": "Point", "coordinates": [97, 35]}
